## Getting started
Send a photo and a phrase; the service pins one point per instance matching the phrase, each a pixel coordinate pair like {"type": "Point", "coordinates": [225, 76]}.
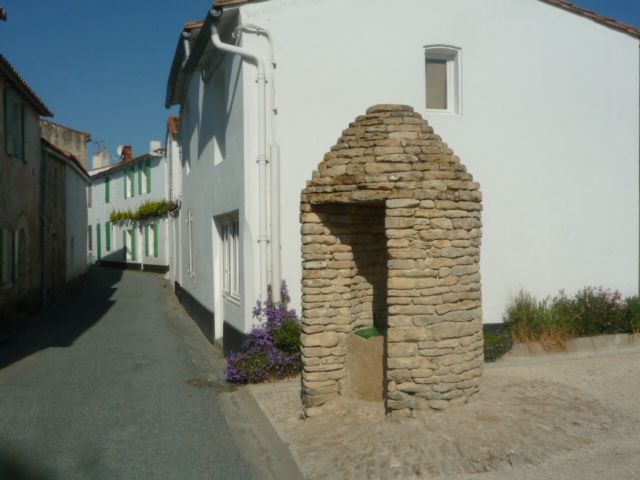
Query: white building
{"type": "Point", "coordinates": [539, 98]}
{"type": "Point", "coordinates": [124, 187]}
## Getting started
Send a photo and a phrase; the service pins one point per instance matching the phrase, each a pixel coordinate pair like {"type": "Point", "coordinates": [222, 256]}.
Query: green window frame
{"type": "Point", "coordinates": [148, 167]}
{"type": "Point", "coordinates": [107, 190]}
{"type": "Point", "coordinates": [14, 124]}
{"type": "Point", "coordinates": [155, 240]}
{"type": "Point", "coordinates": [140, 179]}
{"type": "Point", "coordinates": [99, 241]}
{"type": "Point", "coordinates": [107, 236]}
{"type": "Point", "coordinates": [134, 245]}
{"type": "Point", "coordinates": [146, 240]}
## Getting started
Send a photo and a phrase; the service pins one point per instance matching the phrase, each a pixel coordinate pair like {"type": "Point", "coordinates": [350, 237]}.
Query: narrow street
{"type": "Point", "coordinates": [114, 383]}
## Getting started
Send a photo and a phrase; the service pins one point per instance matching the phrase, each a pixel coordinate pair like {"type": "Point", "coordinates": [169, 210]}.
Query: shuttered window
{"type": "Point", "coordinates": [140, 170]}
{"type": "Point", "coordinates": [99, 241]}
{"type": "Point", "coordinates": [90, 238]}
{"type": "Point", "coordinates": [107, 190]}
{"type": "Point", "coordinates": [107, 235]}
{"type": "Point", "coordinates": [146, 240]}
{"type": "Point", "coordinates": [14, 124]}
{"type": "Point", "coordinates": [155, 239]}
{"type": "Point", "coordinates": [148, 169]}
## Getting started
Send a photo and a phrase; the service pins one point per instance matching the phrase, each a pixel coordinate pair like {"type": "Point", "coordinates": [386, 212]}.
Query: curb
{"type": "Point", "coordinates": [598, 344]}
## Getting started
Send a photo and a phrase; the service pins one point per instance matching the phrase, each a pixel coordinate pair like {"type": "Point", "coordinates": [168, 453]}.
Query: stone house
{"type": "Point", "coordinates": [63, 207]}
{"type": "Point", "coordinates": [20, 177]}
{"type": "Point", "coordinates": [125, 186]}
{"type": "Point", "coordinates": [539, 99]}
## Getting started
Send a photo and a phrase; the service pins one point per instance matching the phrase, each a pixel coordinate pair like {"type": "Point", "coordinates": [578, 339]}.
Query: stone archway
{"type": "Point", "coordinates": [391, 235]}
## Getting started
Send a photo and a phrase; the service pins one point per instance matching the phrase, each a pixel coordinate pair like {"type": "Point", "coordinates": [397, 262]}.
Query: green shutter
{"type": "Point", "coordinates": [134, 253]}
{"type": "Point", "coordinates": [9, 126]}
{"type": "Point", "coordinates": [124, 244]}
{"type": "Point", "coordinates": [23, 132]}
{"type": "Point", "coordinates": [107, 188]}
{"type": "Point", "coordinates": [155, 239]}
{"type": "Point", "coordinates": [146, 240]}
{"type": "Point", "coordinates": [149, 176]}
{"type": "Point", "coordinates": [140, 179]}
{"type": "Point", "coordinates": [99, 238]}
{"type": "Point", "coordinates": [125, 183]}
{"type": "Point", "coordinates": [107, 232]}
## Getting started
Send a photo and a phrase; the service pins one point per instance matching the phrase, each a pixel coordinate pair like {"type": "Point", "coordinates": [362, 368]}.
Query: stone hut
{"type": "Point", "coordinates": [391, 235]}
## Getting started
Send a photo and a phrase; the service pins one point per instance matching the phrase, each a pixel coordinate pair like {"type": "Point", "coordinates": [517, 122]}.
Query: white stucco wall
{"type": "Point", "coordinates": [213, 186]}
{"type": "Point", "coordinates": [100, 212]}
{"type": "Point", "coordinates": [76, 223]}
{"type": "Point", "coordinates": [549, 126]}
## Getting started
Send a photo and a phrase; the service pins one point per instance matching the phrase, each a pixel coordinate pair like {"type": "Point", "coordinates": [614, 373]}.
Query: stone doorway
{"type": "Point", "coordinates": [391, 236]}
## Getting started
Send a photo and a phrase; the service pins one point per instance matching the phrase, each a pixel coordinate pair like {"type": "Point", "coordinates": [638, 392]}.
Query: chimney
{"type": "Point", "coordinates": [127, 153]}
{"type": "Point", "coordinates": [154, 146]}
{"type": "Point", "coordinates": [101, 159]}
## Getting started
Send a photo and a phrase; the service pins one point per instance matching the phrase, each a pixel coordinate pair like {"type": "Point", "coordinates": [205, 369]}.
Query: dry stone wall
{"type": "Point", "coordinates": [391, 235]}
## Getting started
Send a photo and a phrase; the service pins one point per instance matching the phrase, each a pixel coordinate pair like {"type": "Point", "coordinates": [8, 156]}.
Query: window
{"type": "Point", "coordinates": [90, 238]}
{"type": "Point", "coordinates": [7, 256]}
{"type": "Point", "coordinates": [89, 196]}
{"type": "Point", "coordinates": [107, 236]}
{"type": "Point", "coordinates": [130, 244]}
{"type": "Point", "coordinates": [442, 75]}
{"type": "Point", "coordinates": [107, 190]}
{"type": "Point", "coordinates": [129, 182]}
{"type": "Point", "coordinates": [14, 124]}
{"type": "Point", "coordinates": [148, 176]}
{"type": "Point", "coordinates": [151, 240]}
{"type": "Point", "coordinates": [99, 241]}
{"type": "Point", "coordinates": [230, 233]}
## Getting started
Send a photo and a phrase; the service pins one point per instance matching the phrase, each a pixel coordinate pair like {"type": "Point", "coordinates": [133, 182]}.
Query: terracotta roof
{"type": "Point", "coordinates": [607, 21]}
{"type": "Point", "coordinates": [21, 85]}
{"type": "Point", "coordinates": [193, 25]}
{"type": "Point", "coordinates": [173, 124]}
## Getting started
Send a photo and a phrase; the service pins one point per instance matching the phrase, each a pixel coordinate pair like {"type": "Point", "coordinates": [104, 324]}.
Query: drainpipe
{"type": "Point", "coordinates": [261, 159]}
{"type": "Point", "coordinates": [186, 46]}
{"type": "Point", "coordinates": [274, 160]}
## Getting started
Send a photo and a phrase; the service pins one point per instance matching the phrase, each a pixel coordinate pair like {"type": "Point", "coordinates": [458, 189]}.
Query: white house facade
{"type": "Point", "coordinates": [539, 100]}
{"type": "Point", "coordinates": [124, 187]}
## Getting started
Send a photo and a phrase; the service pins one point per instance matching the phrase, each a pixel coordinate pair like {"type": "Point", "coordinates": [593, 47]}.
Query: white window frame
{"type": "Point", "coordinates": [231, 248]}
{"type": "Point", "coordinates": [453, 56]}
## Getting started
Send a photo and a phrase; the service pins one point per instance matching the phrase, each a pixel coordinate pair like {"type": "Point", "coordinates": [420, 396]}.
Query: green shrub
{"type": "Point", "coordinates": [632, 313]}
{"type": "Point", "coordinates": [287, 336]}
{"type": "Point", "coordinates": [547, 321]}
{"type": "Point", "coordinates": [597, 311]}
{"type": "Point", "coordinates": [496, 344]}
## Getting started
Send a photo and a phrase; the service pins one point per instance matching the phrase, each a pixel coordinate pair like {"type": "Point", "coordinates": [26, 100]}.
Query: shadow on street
{"type": "Point", "coordinates": [56, 328]}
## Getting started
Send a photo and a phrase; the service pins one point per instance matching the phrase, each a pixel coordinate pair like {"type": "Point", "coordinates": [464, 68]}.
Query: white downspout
{"type": "Point", "coordinates": [274, 161]}
{"type": "Point", "coordinates": [261, 159]}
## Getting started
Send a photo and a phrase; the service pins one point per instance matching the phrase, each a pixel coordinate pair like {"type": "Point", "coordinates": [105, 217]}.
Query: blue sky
{"type": "Point", "coordinates": [102, 66]}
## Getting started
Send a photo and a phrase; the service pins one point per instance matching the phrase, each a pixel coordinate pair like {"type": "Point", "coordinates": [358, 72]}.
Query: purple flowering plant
{"type": "Point", "coordinates": [272, 349]}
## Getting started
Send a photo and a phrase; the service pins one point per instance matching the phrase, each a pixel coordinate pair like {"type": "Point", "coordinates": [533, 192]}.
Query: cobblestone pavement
{"type": "Point", "coordinates": [562, 417]}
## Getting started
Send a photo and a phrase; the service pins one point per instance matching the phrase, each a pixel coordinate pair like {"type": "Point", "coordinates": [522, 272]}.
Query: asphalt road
{"type": "Point", "coordinates": [114, 383]}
